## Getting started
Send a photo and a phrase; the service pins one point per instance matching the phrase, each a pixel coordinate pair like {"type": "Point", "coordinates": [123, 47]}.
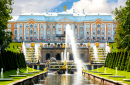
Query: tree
{"type": "Point", "coordinates": [122, 16]}
{"type": "Point", "coordinates": [5, 11]}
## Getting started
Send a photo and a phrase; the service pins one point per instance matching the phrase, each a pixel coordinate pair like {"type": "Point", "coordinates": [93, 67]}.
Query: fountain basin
{"type": "Point", "coordinates": [6, 79]}
{"type": "Point", "coordinates": [128, 80]}
{"type": "Point", "coordinates": [117, 76]}
{"type": "Point", "coordinates": [105, 74]}
{"type": "Point", "coordinates": [17, 75]}
{"type": "Point", "coordinates": [95, 72]}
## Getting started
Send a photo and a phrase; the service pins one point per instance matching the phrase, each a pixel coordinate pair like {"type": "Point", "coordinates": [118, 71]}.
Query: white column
{"type": "Point", "coordinates": [24, 32]}
{"type": "Point", "coordinates": [62, 59]}
{"type": "Point", "coordinates": [44, 30]}
{"type": "Point", "coordinates": [112, 32]}
{"type": "Point", "coordinates": [73, 28]}
{"type": "Point", "coordinates": [84, 30]}
{"type": "Point", "coordinates": [18, 31]}
{"type": "Point", "coordinates": [67, 56]}
{"type": "Point", "coordinates": [105, 30]}
{"type": "Point", "coordinates": [56, 28]}
{"type": "Point", "coordinates": [91, 31]}
{"type": "Point", "coordinates": [38, 31]}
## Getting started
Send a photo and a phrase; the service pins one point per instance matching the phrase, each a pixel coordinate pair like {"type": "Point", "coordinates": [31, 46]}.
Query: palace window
{"type": "Point", "coordinates": [94, 31]}
{"type": "Point", "coordinates": [115, 25]}
{"type": "Point", "coordinates": [98, 31]}
{"type": "Point", "coordinates": [94, 38]}
{"type": "Point", "coordinates": [109, 38]}
{"type": "Point", "coordinates": [21, 25]}
{"type": "Point", "coordinates": [75, 26]}
{"type": "Point", "coordinates": [94, 26]}
{"type": "Point", "coordinates": [102, 26]}
{"type": "Point", "coordinates": [9, 30]}
{"type": "Point", "coordinates": [81, 32]}
{"type": "Point", "coordinates": [75, 31]}
{"type": "Point", "coordinates": [88, 31]}
{"type": "Point", "coordinates": [31, 38]}
{"type": "Point", "coordinates": [87, 38]}
{"type": "Point", "coordinates": [88, 25]}
{"type": "Point", "coordinates": [15, 31]}
{"type": "Point", "coordinates": [53, 26]}
{"type": "Point", "coordinates": [41, 26]}
{"type": "Point", "coordinates": [109, 25]}
{"type": "Point", "coordinates": [21, 38]}
{"type": "Point", "coordinates": [81, 26]}
{"type": "Point", "coordinates": [102, 31]}
{"type": "Point", "coordinates": [53, 32]}
{"type": "Point", "coordinates": [21, 31]}
{"type": "Point", "coordinates": [9, 25]}
{"type": "Point", "coordinates": [64, 26]}
{"type": "Point", "coordinates": [31, 25]}
{"type": "Point", "coordinates": [15, 38]}
{"type": "Point", "coordinates": [48, 32]}
{"type": "Point", "coordinates": [109, 31]}
{"type": "Point", "coordinates": [35, 38]}
{"type": "Point", "coordinates": [98, 38]}
{"type": "Point", "coordinates": [102, 38]}
{"type": "Point", "coordinates": [31, 31]}
{"type": "Point", "coordinates": [41, 32]}
{"type": "Point", "coordinates": [98, 25]}
{"type": "Point", "coordinates": [27, 38]}
{"type": "Point", "coordinates": [15, 25]}
{"type": "Point", "coordinates": [35, 31]}
{"type": "Point", "coordinates": [114, 31]}
{"type": "Point", "coordinates": [35, 26]}
{"type": "Point", "coordinates": [27, 26]}
{"type": "Point", "coordinates": [48, 26]}
{"type": "Point", "coordinates": [27, 31]}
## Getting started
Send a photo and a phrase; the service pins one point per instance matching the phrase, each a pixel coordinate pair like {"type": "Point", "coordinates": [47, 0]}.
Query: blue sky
{"type": "Point", "coordinates": [69, 4]}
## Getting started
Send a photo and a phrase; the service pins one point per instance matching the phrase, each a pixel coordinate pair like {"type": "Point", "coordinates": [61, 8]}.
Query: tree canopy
{"type": "Point", "coordinates": [122, 16]}
{"type": "Point", "coordinates": [5, 11]}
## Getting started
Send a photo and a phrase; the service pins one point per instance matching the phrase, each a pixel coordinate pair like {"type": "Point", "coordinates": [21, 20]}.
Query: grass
{"type": "Point", "coordinates": [108, 70]}
{"type": "Point", "coordinates": [13, 72]}
{"type": "Point", "coordinates": [16, 47]}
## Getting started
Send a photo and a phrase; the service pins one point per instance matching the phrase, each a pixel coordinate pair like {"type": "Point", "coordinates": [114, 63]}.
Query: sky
{"type": "Point", "coordinates": [89, 6]}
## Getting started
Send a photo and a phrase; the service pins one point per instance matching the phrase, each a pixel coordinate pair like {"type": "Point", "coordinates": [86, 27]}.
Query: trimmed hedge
{"type": "Point", "coordinates": [121, 60]}
{"type": "Point", "coordinates": [11, 61]}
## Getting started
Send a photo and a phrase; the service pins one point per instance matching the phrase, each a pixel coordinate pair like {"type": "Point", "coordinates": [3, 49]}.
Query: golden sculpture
{"type": "Point", "coordinates": [32, 44]}
{"type": "Point", "coordinates": [65, 7]}
{"type": "Point", "coordinates": [97, 44]}
{"type": "Point", "coordinates": [83, 69]}
{"type": "Point", "coordinates": [45, 69]}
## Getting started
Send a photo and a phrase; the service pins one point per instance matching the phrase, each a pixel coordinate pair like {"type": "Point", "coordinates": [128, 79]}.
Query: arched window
{"type": "Point", "coordinates": [102, 31]}
{"type": "Point", "coordinates": [88, 31]}
{"type": "Point", "coordinates": [81, 32]}
{"type": "Point", "coordinates": [75, 26]}
{"type": "Point", "coordinates": [102, 26]}
{"type": "Point", "coordinates": [94, 26]}
{"type": "Point", "coordinates": [35, 31]}
{"type": "Point", "coordinates": [64, 26]}
{"type": "Point", "coordinates": [81, 26]}
{"type": "Point", "coordinates": [109, 31]}
{"type": "Point", "coordinates": [48, 32]}
{"type": "Point", "coordinates": [27, 26]}
{"type": "Point", "coordinates": [53, 32]}
{"type": "Point", "coordinates": [9, 25]}
{"type": "Point", "coordinates": [31, 31]}
{"type": "Point", "coordinates": [41, 25]}
{"type": "Point", "coordinates": [9, 30]}
{"type": "Point", "coordinates": [94, 31]}
{"type": "Point", "coordinates": [21, 31]}
{"type": "Point", "coordinates": [109, 25]}
{"type": "Point", "coordinates": [88, 25]}
{"type": "Point", "coordinates": [21, 25]}
{"type": "Point", "coordinates": [98, 25]}
{"type": "Point", "coordinates": [114, 31]}
{"type": "Point", "coordinates": [35, 26]}
{"type": "Point", "coordinates": [98, 31]}
{"type": "Point", "coordinates": [41, 32]}
{"type": "Point", "coordinates": [27, 31]}
{"type": "Point", "coordinates": [31, 25]}
{"type": "Point", "coordinates": [48, 26]}
{"type": "Point", "coordinates": [75, 31]}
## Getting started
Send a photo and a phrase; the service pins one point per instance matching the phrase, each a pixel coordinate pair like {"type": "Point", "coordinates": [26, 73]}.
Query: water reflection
{"type": "Point", "coordinates": [69, 79]}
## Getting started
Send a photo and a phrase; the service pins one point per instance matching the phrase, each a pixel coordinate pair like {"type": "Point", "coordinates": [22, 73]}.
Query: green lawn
{"type": "Point", "coordinates": [16, 47]}
{"type": "Point", "coordinates": [108, 70]}
{"type": "Point", "coordinates": [13, 72]}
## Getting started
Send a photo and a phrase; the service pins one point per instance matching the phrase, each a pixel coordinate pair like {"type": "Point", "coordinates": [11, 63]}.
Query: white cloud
{"type": "Point", "coordinates": [26, 6]}
{"type": "Point", "coordinates": [95, 6]}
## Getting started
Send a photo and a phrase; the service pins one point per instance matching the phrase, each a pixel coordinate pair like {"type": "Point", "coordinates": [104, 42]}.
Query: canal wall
{"type": "Point", "coordinates": [101, 80]}
{"type": "Point", "coordinates": [30, 80]}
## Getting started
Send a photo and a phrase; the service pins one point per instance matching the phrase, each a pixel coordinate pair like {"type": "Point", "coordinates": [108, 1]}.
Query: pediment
{"type": "Point", "coordinates": [65, 20]}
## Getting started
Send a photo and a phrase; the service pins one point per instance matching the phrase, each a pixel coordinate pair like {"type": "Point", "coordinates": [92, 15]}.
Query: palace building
{"type": "Point", "coordinates": [48, 25]}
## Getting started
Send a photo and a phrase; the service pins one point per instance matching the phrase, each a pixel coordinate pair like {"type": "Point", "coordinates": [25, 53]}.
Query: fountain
{"type": "Point", "coordinates": [105, 73]}
{"type": "Point", "coordinates": [4, 79]}
{"type": "Point", "coordinates": [107, 48]}
{"type": "Point", "coordinates": [95, 54]}
{"type": "Point", "coordinates": [28, 72]}
{"type": "Point", "coordinates": [24, 49]}
{"type": "Point", "coordinates": [17, 72]}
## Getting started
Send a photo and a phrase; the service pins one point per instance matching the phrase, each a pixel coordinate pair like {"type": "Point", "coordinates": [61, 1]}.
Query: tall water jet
{"type": "Point", "coordinates": [77, 60]}
{"type": "Point", "coordinates": [107, 48]}
{"type": "Point", "coordinates": [95, 53]}
{"type": "Point", "coordinates": [24, 49]}
{"type": "Point", "coordinates": [36, 51]}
